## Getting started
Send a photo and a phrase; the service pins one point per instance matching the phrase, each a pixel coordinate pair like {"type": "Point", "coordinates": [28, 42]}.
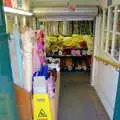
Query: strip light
{"type": "Point", "coordinates": [16, 11]}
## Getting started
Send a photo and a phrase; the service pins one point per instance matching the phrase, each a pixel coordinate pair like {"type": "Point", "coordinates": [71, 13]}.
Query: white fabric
{"type": "Point", "coordinates": [27, 59]}
{"type": "Point", "coordinates": [26, 43]}
{"type": "Point", "coordinates": [13, 61]}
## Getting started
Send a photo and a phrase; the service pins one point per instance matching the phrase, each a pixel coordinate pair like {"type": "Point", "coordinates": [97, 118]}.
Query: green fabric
{"type": "Point", "coordinates": [8, 110]}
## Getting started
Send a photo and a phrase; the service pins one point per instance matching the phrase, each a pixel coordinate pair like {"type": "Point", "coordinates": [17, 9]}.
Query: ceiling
{"type": "Point", "coordinates": [62, 3]}
{"type": "Point", "coordinates": [51, 9]}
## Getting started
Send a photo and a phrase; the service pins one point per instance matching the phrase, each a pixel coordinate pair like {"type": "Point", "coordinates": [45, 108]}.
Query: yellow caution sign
{"type": "Point", "coordinates": [42, 109]}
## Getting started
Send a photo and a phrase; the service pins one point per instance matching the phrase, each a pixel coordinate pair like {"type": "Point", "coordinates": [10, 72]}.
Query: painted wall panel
{"type": "Point", "coordinates": [105, 78]}
{"type": "Point", "coordinates": [106, 86]}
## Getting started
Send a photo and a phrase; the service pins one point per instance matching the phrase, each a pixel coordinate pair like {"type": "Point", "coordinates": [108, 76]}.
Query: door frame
{"type": "Point", "coordinates": [117, 103]}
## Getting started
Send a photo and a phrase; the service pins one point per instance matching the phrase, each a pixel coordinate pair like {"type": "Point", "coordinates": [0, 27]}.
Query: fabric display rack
{"type": "Point", "coordinates": [74, 48]}
{"type": "Point", "coordinates": [34, 77]}
{"type": "Point", "coordinates": [45, 81]}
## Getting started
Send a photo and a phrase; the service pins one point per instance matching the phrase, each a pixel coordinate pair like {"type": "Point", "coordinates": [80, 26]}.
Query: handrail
{"type": "Point", "coordinates": [108, 62]}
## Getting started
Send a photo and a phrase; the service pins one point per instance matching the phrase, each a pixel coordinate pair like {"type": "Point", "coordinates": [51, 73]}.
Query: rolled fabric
{"type": "Point", "coordinates": [51, 86]}
{"type": "Point", "coordinates": [78, 52]}
{"type": "Point", "coordinates": [27, 59]}
{"type": "Point", "coordinates": [40, 46]}
{"type": "Point", "coordinates": [73, 52]}
{"type": "Point", "coordinates": [35, 59]}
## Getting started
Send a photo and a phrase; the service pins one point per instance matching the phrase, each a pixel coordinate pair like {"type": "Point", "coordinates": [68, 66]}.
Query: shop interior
{"type": "Point", "coordinates": [51, 61]}
{"type": "Point", "coordinates": [64, 58]}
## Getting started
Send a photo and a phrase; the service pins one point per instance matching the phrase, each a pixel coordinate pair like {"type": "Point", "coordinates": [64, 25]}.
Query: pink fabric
{"type": "Point", "coordinates": [35, 60]}
{"type": "Point", "coordinates": [73, 52]}
{"type": "Point", "coordinates": [51, 86]}
{"type": "Point", "coordinates": [40, 46]}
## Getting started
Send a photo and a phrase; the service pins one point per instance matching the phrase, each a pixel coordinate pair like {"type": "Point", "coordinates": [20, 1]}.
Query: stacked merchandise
{"type": "Point", "coordinates": [75, 51]}
{"type": "Point", "coordinates": [72, 27]}
{"type": "Point", "coordinates": [44, 81]}
{"type": "Point", "coordinates": [42, 70]}
{"type": "Point", "coordinates": [77, 45]}
{"type": "Point", "coordinates": [73, 44]}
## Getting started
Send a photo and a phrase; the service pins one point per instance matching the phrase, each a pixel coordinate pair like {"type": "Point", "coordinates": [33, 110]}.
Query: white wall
{"type": "Point", "coordinates": [104, 77]}
{"type": "Point", "coordinates": [105, 84]}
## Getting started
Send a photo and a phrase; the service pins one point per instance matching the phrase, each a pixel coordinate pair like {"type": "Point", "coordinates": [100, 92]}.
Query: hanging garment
{"type": "Point", "coordinates": [35, 59]}
{"type": "Point", "coordinates": [13, 59]}
{"type": "Point", "coordinates": [40, 45]}
{"type": "Point", "coordinates": [18, 55]}
{"type": "Point", "coordinates": [27, 59]}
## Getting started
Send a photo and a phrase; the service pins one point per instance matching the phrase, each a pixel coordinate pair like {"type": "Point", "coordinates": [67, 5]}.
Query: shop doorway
{"type": "Point", "coordinates": [75, 52]}
{"type": "Point", "coordinates": [75, 49]}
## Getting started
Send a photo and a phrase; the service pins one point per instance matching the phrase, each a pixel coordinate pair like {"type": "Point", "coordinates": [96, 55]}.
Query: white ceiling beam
{"type": "Point", "coordinates": [65, 11]}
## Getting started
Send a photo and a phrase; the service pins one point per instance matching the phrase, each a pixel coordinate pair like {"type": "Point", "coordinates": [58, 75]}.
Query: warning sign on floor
{"type": "Point", "coordinates": [42, 109]}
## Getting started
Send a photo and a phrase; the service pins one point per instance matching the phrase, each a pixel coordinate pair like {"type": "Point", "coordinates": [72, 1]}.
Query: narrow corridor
{"type": "Point", "coordinates": [78, 100]}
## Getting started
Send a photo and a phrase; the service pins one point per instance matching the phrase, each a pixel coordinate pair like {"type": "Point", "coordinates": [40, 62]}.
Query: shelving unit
{"type": "Point", "coordinates": [68, 56]}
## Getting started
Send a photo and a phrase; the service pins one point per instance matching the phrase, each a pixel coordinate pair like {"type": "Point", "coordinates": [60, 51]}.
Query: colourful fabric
{"type": "Point", "coordinates": [14, 63]}
{"type": "Point", "coordinates": [35, 59]}
{"type": "Point", "coordinates": [40, 46]}
{"type": "Point", "coordinates": [16, 35]}
{"type": "Point", "coordinates": [51, 86]}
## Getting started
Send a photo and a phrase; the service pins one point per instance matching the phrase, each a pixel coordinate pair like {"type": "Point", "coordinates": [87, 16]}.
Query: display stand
{"type": "Point", "coordinates": [55, 101]}
{"type": "Point", "coordinates": [24, 103]}
{"type": "Point", "coordinates": [57, 94]}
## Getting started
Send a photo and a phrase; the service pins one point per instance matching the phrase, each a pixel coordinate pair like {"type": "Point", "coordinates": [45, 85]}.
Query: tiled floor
{"type": "Point", "coordinates": [78, 100]}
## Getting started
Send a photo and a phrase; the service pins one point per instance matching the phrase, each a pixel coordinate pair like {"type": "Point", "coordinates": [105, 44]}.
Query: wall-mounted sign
{"type": "Point", "coordinates": [8, 3]}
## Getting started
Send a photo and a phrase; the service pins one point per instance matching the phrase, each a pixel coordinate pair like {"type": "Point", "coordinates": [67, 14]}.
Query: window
{"type": "Point", "coordinates": [106, 16]}
{"type": "Point", "coordinates": [117, 48]}
{"type": "Point", "coordinates": [111, 32]}
{"type": "Point", "coordinates": [116, 52]}
{"type": "Point", "coordinates": [104, 28]}
{"type": "Point", "coordinates": [108, 46]}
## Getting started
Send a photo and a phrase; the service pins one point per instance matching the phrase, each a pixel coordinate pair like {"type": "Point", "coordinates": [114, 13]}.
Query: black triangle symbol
{"type": "Point", "coordinates": [42, 113]}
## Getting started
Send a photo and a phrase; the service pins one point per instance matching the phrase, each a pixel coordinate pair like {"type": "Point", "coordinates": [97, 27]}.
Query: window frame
{"type": "Point", "coordinates": [114, 32]}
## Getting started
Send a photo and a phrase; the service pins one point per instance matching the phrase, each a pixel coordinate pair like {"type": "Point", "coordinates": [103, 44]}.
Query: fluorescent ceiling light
{"type": "Point", "coordinates": [63, 10]}
{"type": "Point", "coordinates": [16, 11]}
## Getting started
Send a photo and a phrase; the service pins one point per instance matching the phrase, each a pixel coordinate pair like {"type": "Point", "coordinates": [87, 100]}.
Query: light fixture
{"type": "Point", "coordinates": [16, 11]}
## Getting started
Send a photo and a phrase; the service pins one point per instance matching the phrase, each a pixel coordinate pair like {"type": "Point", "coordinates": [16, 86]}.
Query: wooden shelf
{"type": "Point", "coordinates": [67, 56]}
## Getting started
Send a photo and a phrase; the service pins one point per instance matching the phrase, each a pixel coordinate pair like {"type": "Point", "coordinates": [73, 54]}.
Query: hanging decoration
{"type": "Point", "coordinates": [71, 5]}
